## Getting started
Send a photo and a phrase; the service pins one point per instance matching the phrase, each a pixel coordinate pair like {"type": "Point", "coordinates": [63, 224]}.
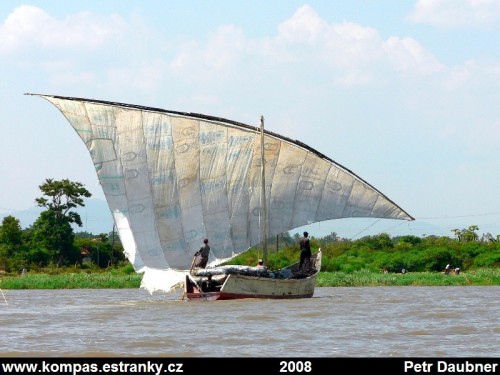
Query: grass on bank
{"type": "Point", "coordinates": [71, 281]}
{"type": "Point", "coordinates": [74, 278]}
{"type": "Point", "coordinates": [480, 277]}
{"type": "Point", "coordinates": [118, 279]}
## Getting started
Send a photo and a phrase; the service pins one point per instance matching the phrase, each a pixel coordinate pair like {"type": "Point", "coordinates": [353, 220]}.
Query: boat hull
{"type": "Point", "coordinates": [244, 286]}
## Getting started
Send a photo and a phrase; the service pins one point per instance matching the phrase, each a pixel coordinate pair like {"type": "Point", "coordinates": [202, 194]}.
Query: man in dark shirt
{"type": "Point", "coordinates": [209, 285]}
{"type": "Point", "coordinates": [305, 252]}
{"type": "Point", "coordinates": [202, 254]}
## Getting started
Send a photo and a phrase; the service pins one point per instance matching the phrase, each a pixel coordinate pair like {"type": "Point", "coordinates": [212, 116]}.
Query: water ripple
{"type": "Point", "coordinates": [343, 322]}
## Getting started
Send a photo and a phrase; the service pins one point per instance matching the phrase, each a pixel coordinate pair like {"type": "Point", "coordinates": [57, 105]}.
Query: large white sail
{"type": "Point", "coordinates": [172, 179]}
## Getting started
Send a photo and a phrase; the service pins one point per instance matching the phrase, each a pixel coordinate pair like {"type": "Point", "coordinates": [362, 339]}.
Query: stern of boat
{"type": "Point", "coordinates": [193, 291]}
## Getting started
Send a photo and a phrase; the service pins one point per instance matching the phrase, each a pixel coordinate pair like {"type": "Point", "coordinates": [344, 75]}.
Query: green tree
{"type": "Point", "coordinates": [105, 249]}
{"type": "Point", "coordinates": [62, 197]}
{"type": "Point", "coordinates": [467, 235]}
{"type": "Point", "coordinates": [10, 242]}
{"type": "Point", "coordinates": [53, 228]}
{"type": "Point", "coordinates": [36, 254]}
{"type": "Point", "coordinates": [11, 234]}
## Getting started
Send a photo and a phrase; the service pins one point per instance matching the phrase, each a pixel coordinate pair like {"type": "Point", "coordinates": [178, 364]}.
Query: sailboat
{"type": "Point", "coordinates": [173, 178]}
{"type": "Point", "coordinates": [237, 282]}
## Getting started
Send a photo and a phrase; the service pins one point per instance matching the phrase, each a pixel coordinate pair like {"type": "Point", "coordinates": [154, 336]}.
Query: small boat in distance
{"type": "Point", "coordinates": [173, 178]}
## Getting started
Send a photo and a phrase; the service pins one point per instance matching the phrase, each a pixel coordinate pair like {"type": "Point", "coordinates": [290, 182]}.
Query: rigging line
{"type": "Point", "coordinates": [5, 299]}
{"type": "Point", "coordinates": [456, 217]}
{"type": "Point", "coordinates": [371, 225]}
{"type": "Point", "coordinates": [397, 225]}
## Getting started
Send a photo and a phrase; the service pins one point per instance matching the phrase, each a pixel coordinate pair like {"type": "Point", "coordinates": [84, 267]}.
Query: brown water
{"type": "Point", "coordinates": [336, 322]}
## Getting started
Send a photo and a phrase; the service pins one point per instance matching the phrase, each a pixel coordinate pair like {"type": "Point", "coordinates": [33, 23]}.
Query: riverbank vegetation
{"type": "Point", "coordinates": [114, 279]}
{"type": "Point", "coordinates": [370, 261]}
{"type": "Point", "coordinates": [383, 253]}
{"type": "Point", "coordinates": [479, 277]}
{"type": "Point", "coordinates": [50, 255]}
{"type": "Point", "coordinates": [117, 279]}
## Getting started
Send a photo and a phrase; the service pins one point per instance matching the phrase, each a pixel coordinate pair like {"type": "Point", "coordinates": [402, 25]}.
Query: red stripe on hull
{"type": "Point", "coordinates": [227, 296]}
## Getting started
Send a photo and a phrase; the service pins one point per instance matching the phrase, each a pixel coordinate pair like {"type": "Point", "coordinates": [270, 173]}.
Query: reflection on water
{"type": "Point", "coordinates": [336, 322]}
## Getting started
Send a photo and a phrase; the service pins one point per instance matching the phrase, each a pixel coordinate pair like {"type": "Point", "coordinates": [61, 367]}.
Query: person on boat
{"type": "Point", "coordinates": [202, 254]}
{"type": "Point", "coordinates": [305, 251]}
{"type": "Point", "coordinates": [208, 285]}
{"type": "Point", "coordinates": [260, 263]}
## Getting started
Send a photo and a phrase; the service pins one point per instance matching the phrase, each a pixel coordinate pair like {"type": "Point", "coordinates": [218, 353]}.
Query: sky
{"type": "Point", "coordinates": [406, 94]}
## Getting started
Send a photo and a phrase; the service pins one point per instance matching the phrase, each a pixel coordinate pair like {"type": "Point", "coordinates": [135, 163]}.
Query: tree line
{"type": "Point", "coordinates": [381, 252]}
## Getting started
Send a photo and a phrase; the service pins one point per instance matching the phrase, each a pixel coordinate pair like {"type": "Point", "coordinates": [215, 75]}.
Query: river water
{"type": "Point", "coordinates": [336, 322]}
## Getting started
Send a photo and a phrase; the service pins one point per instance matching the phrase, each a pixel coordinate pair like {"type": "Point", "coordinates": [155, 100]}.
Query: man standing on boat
{"type": "Point", "coordinates": [202, 254]}
{"type": "Point", "coordinates": [305, 251]}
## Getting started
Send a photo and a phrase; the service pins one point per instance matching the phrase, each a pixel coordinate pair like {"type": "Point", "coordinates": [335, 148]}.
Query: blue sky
{"type": "Point", "coordinates": [406, 94]}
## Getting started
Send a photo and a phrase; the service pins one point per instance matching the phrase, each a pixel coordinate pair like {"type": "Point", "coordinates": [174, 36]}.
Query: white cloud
{"type": "Point", "coordinates": [461, 74]}
{"type": "Point", "coordinates": [219, 54]}
{"type": "Point", "coordinates": [305, 26]}
{"type": "Point", "coordinates": [355, 54]}
{"type": "Point", "coordinates": [346, 53]}
{"type": "Point", "coordinates": [20, 25]}
{"type": "Point", "coordinates": [345, 44]}
{"type": "Point", "coordinates": [31, 26]}
{"type": "Point", "coordinates": [457, 13]}
{"type": "Point", "coordinates": [407, 55]}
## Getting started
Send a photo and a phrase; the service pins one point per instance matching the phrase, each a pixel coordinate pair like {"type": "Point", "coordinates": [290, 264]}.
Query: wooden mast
{"type": "Point", "coordinates": [263, 193]}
